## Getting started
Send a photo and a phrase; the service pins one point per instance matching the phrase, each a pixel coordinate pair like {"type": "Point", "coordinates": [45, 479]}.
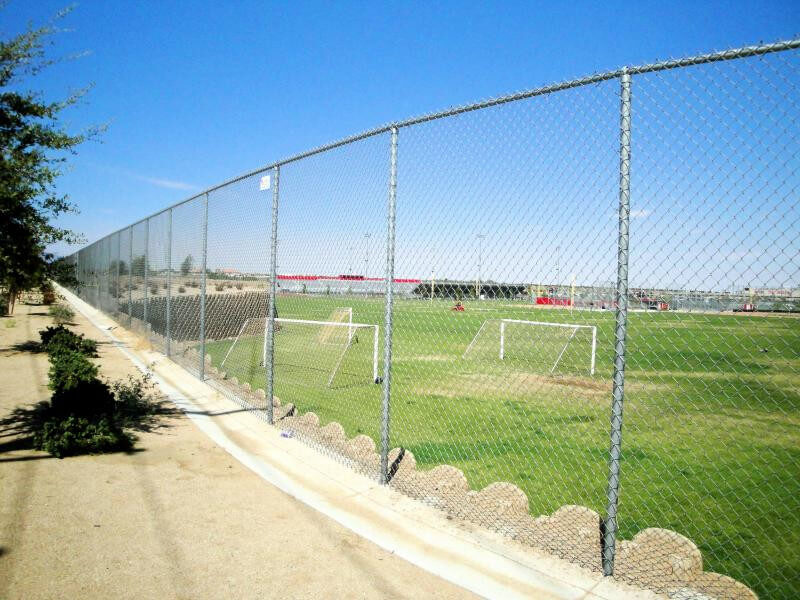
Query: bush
{"type": "Point", "coordinates": [69, 370]}
{"type": "Point", "coordinates": [61, 314]}
{"type": "Point", "coordinates": [135, 403]}
{"type": "Point", "coordinates": [54, 338]}
{"type": "Point", "coordinates": [80, 435]}
{"type": "Point", "coordinates": [181, 289]}
{"type": "Point", "coordinates": [91, 398]}
{"type": "Point", "coordinates": [239, 286]}
{"type": "Point", "coordinates": [86, 415]}
{"type": "Point", "coordinates": [48, 294]}
{"type": "Point", "coordinates": [48, 333]}
{"type": "Point", "coordinates": [219, 287]}
{"type": "Point", "coordinates": [154, 290]}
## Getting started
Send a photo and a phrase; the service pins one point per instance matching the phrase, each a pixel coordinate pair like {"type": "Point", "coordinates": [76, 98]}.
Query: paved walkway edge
{"type": "Point", "coordinates": [479, 561]}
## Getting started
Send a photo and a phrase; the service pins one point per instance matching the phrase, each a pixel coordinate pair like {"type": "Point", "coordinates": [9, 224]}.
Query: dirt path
{"type": "Point", "coordinates": [178, 518]}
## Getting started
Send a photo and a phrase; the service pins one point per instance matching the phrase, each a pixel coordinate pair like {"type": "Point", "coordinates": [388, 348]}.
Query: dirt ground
{"type": "Point", "coordinates": [177, 518]}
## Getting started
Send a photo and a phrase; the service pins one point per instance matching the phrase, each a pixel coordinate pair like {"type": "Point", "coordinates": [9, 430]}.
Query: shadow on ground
{"type": "Point", "coordinates": [18, 428]}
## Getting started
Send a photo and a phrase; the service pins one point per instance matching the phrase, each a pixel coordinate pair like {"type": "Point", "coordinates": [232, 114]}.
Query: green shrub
{"type": "Point", "coordinates": [69, 370]}
{"type": "Point", "coordinates": [48, 293]}
{"type": "Point", "coordinates": [219, 287]}
{"type": "Point", "coordinates": [91, 399]}
{"type": "Point", "coordinates": [135, 402]}
{"type": "Point", "coordinates": [48, 333]}
{"type": "Point", "coordinates": [75, 434]}
{"type": "Point", "coordinates": [61, 314]}
{"type": "Point", "coordinates": [86, 415]}
{"type": "Point", "coordinates": [54, 338]}
{"type": "Point", "coordinates": [154, 290]}
{"type": "Point", "coordinates": [181, 289]}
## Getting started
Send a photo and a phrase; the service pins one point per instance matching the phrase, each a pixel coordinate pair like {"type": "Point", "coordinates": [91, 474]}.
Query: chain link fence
{"type": "Point", "coordinates": [457, 304]}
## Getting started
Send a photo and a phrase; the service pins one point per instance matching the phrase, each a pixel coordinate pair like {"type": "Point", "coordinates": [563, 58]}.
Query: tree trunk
{"type": "Point", "coordinates": [12, 298]}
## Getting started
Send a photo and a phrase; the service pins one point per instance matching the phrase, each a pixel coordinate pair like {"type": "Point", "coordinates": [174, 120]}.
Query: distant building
{"type": "Point", "coordinates": [774, 292]}
{"type": "Point", "coordinates": [230, 272]}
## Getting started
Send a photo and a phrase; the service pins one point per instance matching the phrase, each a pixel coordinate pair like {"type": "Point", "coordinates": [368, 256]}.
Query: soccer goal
{"type": "Point", "coordinates": [316, 348]}
{"type": "Point", "coordinates": [543, 346]}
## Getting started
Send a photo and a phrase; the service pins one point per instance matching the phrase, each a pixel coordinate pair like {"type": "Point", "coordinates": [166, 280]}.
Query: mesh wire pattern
{"type": "Point", "coordinates": [468, 331]}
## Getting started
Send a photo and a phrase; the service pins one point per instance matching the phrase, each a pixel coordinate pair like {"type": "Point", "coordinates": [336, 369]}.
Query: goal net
{"type": "Point", "coordinates": [553, 348]}
{"type": "Point", "coordinates": [306, 352]}
{"type": "Point", "coordinates": [335, 334]}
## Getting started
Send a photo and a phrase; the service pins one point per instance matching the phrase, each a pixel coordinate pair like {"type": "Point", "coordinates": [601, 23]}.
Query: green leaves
{"type": "Point", "coordinates": [34, 146]}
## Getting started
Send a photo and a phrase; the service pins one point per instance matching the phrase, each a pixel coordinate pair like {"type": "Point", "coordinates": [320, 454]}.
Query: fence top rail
{"type": "Point", "coordinates": [724, 55]}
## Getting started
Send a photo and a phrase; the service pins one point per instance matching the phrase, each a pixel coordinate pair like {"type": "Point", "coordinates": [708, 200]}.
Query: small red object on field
{"type": "Point", "coordinates": [459, 307]}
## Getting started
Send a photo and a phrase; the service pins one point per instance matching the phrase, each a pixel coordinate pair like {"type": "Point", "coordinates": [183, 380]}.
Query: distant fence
{"type": "Point", "coordinates": [679, 175]}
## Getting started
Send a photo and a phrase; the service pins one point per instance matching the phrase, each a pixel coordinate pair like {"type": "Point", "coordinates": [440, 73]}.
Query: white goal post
{"type": "Point", "coordinates": [573, 327]}
{"type": "Point", "coordinates": [351, 327]}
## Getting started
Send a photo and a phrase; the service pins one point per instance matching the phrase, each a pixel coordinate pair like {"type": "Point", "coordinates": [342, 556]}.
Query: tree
{"type": "Point", "coordinates": [186, 265]}
{"type": "Point", "coordinates": [139, 265]}
{"type": "Point", "coordinates": [121, 265]}
{"type": "Point", "coordinates": [33, 145]}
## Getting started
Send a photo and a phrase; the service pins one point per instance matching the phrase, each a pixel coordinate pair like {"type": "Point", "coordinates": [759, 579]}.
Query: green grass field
{"type": "Point", "coordinates": [710, 437]}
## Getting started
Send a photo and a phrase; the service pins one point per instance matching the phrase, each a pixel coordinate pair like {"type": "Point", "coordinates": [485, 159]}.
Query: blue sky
{"type": "Point", "coordinates": [195, 93]}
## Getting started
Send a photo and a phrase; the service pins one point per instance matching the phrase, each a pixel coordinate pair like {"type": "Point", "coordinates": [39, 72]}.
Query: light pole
{"type": "Point", "coordinates": [481, 237]}
{"type": "Point", "coordinates": [350, 252]}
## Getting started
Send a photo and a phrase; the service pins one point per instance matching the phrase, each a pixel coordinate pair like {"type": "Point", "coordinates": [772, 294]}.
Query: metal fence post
{"type": "Point", "coordinates": [168, 330]}
{"type": "Point", "coordinates": [96, 266]}
{"type": "Point", "coordinates": [130, 277]}
{"type": "Point", "coordinates": [107, 299]}
{"type": "Point", "coordinates": [387, 336]}
{"type": "Point", "coordinates": [269, 350]}
{"type": "Point", "coordinates": [203, 290]}
{"type": "Point", "coordinates": [146, 259]}
{"type": "Point", "coordinates": [117, 292]}
{"type": "Point", "coordinates": [618, 393]}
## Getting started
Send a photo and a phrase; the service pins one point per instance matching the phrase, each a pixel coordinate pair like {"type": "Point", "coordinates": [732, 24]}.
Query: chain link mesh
{"type": "Point", "coordinates": [711, 440]}
{"type": "Point", "coordinates": [504, 311]}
